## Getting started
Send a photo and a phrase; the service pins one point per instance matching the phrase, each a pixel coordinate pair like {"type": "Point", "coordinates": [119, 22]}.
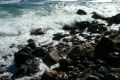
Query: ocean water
{"type": "Point", "coordinates": [17, 20]}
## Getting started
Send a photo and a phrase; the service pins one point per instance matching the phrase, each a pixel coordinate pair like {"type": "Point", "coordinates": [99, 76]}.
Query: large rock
{"type": "Point", "coordinates": [77, 51]}
{"type": "Point", "coordinates": [21, 56]}
{"type": "Point", "coordinates": [82, 25]}
{"type": "Point", "coordinates": [58, 36]}
{"type": "Point", "coordinates": [97, 28]}
{"type": "Point", "coordinates": [98, 16]}
{"type": "Point", "coordinates": [29, 67]}
{"type": "Point", "coordinates": [31, 44]}
{"type": "Point", "coordinates": [40, 52]}
{"type": "Point", "coordinates": [38, 31]}
{"type": "Point", "coordinates": [106, 50]}
{"type": "Point", "coordinates": [81, 12]}
{"type": "Point", "coordinates": [52, 58]}
{"type": "Point", "coordinates": [114, 19]}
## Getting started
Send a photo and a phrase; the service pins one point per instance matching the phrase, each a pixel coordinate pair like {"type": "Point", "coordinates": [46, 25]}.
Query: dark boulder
{"type": "Point", "coordinates": [105, 45]}
{"type": "Point", "coordinates": [21, 56]}
{"type": "Point", "coordinates": [31, 44]}
{"type": "Point", "coordinates": [77, 51]}
{"type": "Point", "coordinates": [114, 19]}
{"type": "Point", "coordinates": [107, 51]}
{"type": "Point", "coordinates": [58, 36]}
{"type": "Point", "coordinates": [82, 25]}
{"type": "Point", "coordinates": [52, 58]}
{"type": "Point", "coordinates": [68, 27]}
{"type": "Point", "coordinates": [97, 28]}
{"type": "Point", "coordinates": [81, 12]}
{"type": "Point", "coordinates": [39, 52]}
{"type": "Point", "coordinates": [29, 67]}
{"type": "Point", "coordinates": [38, 31]}
{"type": "Point", "coordinates": [98, 16]}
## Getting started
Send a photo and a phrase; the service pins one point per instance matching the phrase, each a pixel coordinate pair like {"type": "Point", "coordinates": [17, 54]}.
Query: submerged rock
{"type": "Point", "coordinates": [38, 31]}
{"type": "Point", "coordinates": [81, 12]}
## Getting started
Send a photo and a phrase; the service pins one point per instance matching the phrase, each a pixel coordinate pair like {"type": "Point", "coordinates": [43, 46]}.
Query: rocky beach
{"type": "Point", "coordinates": [83, 46]}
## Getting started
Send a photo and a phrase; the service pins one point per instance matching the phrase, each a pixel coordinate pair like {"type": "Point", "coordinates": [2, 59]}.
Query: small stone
{"type": "Point", "coordinates": [38, 31]}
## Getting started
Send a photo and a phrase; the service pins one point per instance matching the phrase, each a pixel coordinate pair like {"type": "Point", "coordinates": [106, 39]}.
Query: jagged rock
{"type": "Point", "coordinates": [21, 56]}
{"type": "Point", "coordinates": [81, 12]}
{"type": "Point", "coordinates": [39, 52]}
{"type": "Point", "coordinates": [38, 31]}
{"type": "Point", "coordinates": [58, 36]}
{"type": "Point", "coordinates": [52, 58]}
{"type": "Point", "coordinates": [97, 28]}
{"type": "Point", "coordinates": [77, 51]}
{"type": "Point", "coordinates": [29, 67]}
{"type": "Point", "coordinates": [82, 25]}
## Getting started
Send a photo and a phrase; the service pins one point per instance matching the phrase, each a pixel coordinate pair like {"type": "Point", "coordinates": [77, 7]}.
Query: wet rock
{"type": "Point", "coordinates": [21, 57]}
{"type": "Point", "coordinates": [93, 77]}
{"type": "Point", "coordinates": [5, 78]}
{"type": "Point", "coordinates": [98, 16]}
{"type": "Point", "coordinates": [31, 44]}
{"type": "Point", "coordinates": [51, 75]}
{"type": "Point", "coordinates": [52, 58]}
{"type": "Point", "coordinates": [97, 28]}
{"type": "Point", "coordinates": [104, 47]}
{"type": "Point", "coordinates": [77, 51]}
{"type": "Point", "coordinates": [81, 12]}
{"type": "Point", "coordinates": [113, 76]}
{"type": "Point", "coordinates": [114, 19]}
{"type": "Point", "coordinates": [58, 36]}
{"type": "Point", "coordinates": [82, 25]}
{"type": "Point", "coordinates": [38, 31]}
{"type": "Point", "coordinates": [40, 52]}
{"type": "Point", "coordinates": [65, 62]}
{"type": "Point", "coordinates": [68, 27]}
{"type": "Point", "coordinates": [73, 32]}
{"type": "Point", "coordinates": [29, 67]}
{"type": "Point", "coordinates": [107, 51]}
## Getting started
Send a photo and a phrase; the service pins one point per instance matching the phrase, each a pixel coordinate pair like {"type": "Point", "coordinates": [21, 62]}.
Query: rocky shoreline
{"type": "Point", "coordinates": [89, 52]}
